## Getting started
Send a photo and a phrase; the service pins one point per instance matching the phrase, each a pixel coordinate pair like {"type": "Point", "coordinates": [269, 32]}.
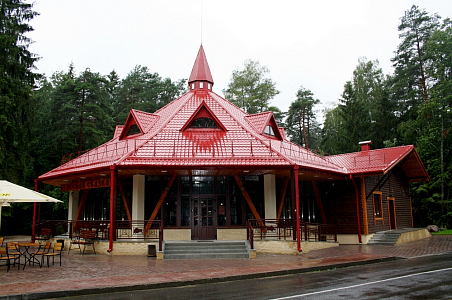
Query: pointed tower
{"type": "Point", "coordinates": [200, 77]}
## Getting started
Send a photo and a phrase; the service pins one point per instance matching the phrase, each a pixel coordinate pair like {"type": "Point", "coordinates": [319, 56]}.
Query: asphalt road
{"type": "Point", "coordinates": [417, 278]}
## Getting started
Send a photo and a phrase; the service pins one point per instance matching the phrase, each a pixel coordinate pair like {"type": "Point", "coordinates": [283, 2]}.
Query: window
{"type": "Point", "coordinates": [170, 212]}
{"type": "Point", "coordinates": [192, 86]}
{"type": "Point", "coordinates": [269, 130]}
{"type": "Point", "coordinates": [203, 123]}
{"type": "Point", "coordinates": [185, 211]}
{"type": "Point", "coordinates": [377, 203]}
{"type": "Point", "coordinates": [134, 129]}
{"type": "Point", "coordinates": [201, 85]}
{"type": "Point", "coordinates": [208, 86]}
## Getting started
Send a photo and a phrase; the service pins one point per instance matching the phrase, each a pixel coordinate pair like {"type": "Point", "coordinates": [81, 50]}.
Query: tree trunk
{"type": "Point", "coordinates": [424, 88]}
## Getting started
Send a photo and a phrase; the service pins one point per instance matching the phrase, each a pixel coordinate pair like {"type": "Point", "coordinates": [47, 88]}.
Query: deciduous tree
{"type": "Point", "coordinates": [250, 88]}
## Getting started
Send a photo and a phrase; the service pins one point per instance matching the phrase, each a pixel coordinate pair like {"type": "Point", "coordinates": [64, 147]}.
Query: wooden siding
{"type": "Point", "coordinates": [339, 203]}
{"type": "Point", "coordinates": [396, 186]}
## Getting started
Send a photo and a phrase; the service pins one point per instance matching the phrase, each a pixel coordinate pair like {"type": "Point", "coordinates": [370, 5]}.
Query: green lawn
{"type": "Point", "coordinates": [444, 232]}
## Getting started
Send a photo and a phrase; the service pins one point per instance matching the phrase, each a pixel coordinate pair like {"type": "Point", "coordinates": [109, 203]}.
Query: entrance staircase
{"type": "Point", "coordinates": [206, 249]}
{"type": "Point", "coordinates": [390, 237]}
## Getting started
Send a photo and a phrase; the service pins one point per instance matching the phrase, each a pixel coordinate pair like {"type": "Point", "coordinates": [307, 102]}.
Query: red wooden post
{"type": "Point", "coordinates": [112, 207]}
{"type": "Point", "coordinates": [297, 200]}
{"type": "Point", "coordinates": [33, 230]}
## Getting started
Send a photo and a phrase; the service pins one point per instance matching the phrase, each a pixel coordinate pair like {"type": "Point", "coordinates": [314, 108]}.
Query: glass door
{"type": "Point", "coordinates": [203, 218]}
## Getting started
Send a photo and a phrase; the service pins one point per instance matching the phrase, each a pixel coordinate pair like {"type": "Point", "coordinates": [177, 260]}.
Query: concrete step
{"type": "Point", "coordinates": [206, 250]}
{"type": "Point", "coordinates": [388, 238]}
{"type": "Point", "coordinates": [207, 256]}
{"type": "Point", "coordinates": [213, 250]}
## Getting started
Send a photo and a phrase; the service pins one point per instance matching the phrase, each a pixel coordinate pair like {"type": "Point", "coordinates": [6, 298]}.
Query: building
{"type": "Point", "coordinates": [201, 168]}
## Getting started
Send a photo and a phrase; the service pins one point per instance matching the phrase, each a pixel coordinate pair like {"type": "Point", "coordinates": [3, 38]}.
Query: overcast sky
{"type": "Point", "coordinates": [311, 43]}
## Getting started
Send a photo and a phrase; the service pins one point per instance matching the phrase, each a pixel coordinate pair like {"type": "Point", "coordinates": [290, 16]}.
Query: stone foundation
{"type": "Point", "coordinates": [412, 236]}
{"type": "Point", "coordinates": [352, 239]}
{"type": "Point", "coordinates": [289, 247]}
{"type": "Point", "coordinates": [231, 234]}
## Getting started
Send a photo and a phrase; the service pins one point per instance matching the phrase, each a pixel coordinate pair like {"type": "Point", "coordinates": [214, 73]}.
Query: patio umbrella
{"type": "Point", "coordinates": [10, 192]}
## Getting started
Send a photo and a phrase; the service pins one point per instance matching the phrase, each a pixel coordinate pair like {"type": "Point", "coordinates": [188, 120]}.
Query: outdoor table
{"type": "Point", "coordinates": [29, 257]}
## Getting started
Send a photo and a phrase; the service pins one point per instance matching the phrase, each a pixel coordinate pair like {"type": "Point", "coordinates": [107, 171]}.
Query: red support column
{"type": "Point", "coordinates": [112, 207]}
{"type": "Point", "coordinates": [33, 230]}
{"type": "Point", "coordinates": [297, 200]}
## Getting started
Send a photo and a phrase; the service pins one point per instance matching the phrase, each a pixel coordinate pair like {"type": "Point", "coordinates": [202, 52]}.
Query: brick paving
{"type": "Point", "coordinates": [80, 273]}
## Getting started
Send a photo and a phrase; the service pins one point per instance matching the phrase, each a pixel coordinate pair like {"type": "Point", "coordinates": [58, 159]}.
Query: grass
{"type": "Point", "coordinates": [444, 232]}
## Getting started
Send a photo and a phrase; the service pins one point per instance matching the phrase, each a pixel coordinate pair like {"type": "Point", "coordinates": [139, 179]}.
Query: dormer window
{"type": "Point", "coordinates": [203, 123]}
{"type": "Point", "coordinates": [203, 120]}
{"type": "Point", "coordinates": [269, 130]}
{"type": "Point", "coordinates": [133, 129]}
{"type": "Point", "coordinates": [201, 85]}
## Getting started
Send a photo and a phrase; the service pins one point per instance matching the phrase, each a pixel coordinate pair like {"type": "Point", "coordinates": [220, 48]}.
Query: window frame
{"type": "Point", "coordinates": [131, 134]}
{"type": "Point", "coordinates": [380, 200]}
{"type": "Point", "coordinates": [203, 119]}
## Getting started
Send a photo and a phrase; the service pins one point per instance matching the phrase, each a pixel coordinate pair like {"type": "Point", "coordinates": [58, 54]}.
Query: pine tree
{"type": "Point", "coordinates": [17, 80]}
{"type": "Point", "coordinates": [301, 119]}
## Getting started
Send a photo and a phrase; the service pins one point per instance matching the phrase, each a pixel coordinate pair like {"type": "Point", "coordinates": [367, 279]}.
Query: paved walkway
{"type": "Point", "coordinates": [89, 273]}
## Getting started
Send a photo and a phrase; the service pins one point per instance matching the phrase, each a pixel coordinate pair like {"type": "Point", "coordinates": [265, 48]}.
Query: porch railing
{"type": "Point", "coordinates": [285, 229]}
{"type": "Point", "coordinates": [134, 229]}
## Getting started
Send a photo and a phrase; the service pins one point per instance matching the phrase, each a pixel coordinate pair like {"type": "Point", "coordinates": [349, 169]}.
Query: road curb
{"type": "Point", "coordinates": [149, 286]}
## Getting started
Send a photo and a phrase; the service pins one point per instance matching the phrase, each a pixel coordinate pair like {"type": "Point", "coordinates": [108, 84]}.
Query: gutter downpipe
{"type": "Point", "coordinates": [112, 206]}
{"type": "Point", "coordinates": [357, 208]}
{"type": "Point", "coordinates": [297, 200]}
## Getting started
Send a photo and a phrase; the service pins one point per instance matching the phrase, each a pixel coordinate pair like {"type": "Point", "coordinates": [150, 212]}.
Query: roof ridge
{"type": "Point", "coordinates": [379, 149]}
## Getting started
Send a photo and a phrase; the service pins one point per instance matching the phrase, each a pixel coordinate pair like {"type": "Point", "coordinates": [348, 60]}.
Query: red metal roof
{"type": "Point", "coordinates": [380, 161]}
{"type": "Point", "coordinates": [240, 142]}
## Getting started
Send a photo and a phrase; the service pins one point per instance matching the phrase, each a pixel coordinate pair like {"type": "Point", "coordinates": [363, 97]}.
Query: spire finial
{"type": "Point", "coordinates": [200, 75]}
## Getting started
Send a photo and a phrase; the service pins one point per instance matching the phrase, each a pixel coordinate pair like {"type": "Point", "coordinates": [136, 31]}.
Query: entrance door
{"type": "Point", "coordinates": [392, 215]}
{"type": "Point", "coordinates": [203, 218]}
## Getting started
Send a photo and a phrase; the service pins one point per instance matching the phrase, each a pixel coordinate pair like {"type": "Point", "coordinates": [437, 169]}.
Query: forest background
{"type": "Point", "coordinates": [43, 120]}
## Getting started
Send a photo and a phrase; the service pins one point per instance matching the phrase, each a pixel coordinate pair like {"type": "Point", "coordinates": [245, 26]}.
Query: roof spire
{"type": "Point", "coordinates": [200, 77]}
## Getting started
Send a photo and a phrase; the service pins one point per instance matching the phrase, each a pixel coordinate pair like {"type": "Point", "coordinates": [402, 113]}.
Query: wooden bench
{"type": "Point", "coordinates": [86, 238]}
{"type": "Point", "coordinates": [44, 234]}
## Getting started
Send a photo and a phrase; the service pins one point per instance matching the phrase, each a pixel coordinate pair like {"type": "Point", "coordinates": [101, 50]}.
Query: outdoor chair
{"type": "Point", "coordinates": [43, 251]}
{"type": "Point", "coordinates": [44, 234]}
{"type": "Point", "coordinates": [1, 241]}
{"type": "Point", "coordinates": [57, 251]}
{"type": "Point", "coordinates": [13, 249]}
{"type": "Point", "coordinates": [86, 238]}
{"type": "Point", "coordinates": [5, 256]}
